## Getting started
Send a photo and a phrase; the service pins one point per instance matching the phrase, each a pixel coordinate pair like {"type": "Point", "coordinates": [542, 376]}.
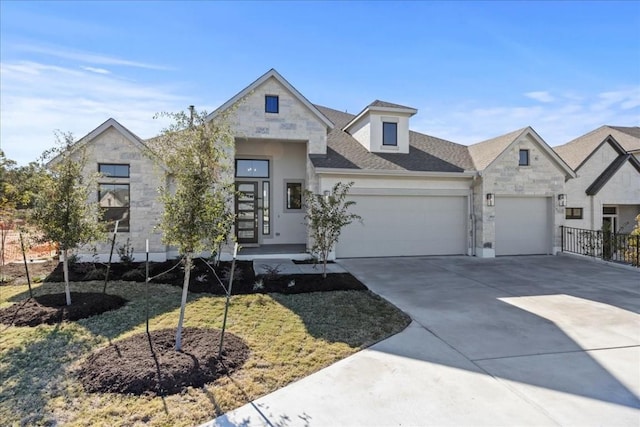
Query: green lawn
{"type": "Point", "coordinates": [290, 337]}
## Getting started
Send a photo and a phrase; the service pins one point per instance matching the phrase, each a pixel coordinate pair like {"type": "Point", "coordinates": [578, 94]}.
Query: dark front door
{"type": "Point", "coordinates": [247, 212]}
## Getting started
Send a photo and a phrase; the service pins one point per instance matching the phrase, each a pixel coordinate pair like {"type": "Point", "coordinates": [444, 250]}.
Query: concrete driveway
{"type": "Point", "coordinates": [506, 341]}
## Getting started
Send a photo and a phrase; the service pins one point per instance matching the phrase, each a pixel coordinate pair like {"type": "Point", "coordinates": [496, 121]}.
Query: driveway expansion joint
{"type": "Point", "coordinates": [584, 350]}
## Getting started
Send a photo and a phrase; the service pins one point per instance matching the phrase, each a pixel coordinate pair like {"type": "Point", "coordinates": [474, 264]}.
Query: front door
{"type": "Point", "coordinates": [247, 212]}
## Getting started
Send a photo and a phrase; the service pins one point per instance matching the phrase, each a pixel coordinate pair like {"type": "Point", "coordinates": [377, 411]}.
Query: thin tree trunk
{"type": "Point", "coordinates": [183, 304]}
{"type": "Point", "coordinates": [26, 265]}
{"type": "Point", "coordinates": [65, 269]}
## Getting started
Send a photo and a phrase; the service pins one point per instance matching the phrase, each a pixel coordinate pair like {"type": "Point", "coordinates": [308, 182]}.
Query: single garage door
{"type": "Point", "coordinates": [405, 226]}
{"type": "Point", "coordinates": [523, 226]}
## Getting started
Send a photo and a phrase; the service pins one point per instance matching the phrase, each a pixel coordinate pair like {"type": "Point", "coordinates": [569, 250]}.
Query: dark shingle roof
{"type": "Point", "coordinates": [426, 153]}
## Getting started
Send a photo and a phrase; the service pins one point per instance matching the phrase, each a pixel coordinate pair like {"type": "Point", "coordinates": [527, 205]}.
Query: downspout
{"type": "Point", "coordinates": [473, 217]}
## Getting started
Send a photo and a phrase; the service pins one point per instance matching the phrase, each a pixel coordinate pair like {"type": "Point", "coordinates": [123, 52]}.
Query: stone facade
{"type": "Point", "coordinates": [111, 145]}
{"type": "Point", "coordinates": [542, 178]}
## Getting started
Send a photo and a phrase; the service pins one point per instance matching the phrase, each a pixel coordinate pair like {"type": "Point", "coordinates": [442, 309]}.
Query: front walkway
{"type": "Point", "coordinates": [506, 341]}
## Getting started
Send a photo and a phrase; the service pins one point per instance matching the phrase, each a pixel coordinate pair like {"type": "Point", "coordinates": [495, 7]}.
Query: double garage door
{"type": "Point", "coordinates": [406, 226]}
{"type": "Point", "coordinates": [523, 226]}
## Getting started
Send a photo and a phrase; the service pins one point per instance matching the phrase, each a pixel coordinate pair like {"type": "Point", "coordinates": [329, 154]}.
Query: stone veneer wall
{"type": "Point", "coordinates": [145, 176]}
{"type": "Point", "coordinates": [542, 178]}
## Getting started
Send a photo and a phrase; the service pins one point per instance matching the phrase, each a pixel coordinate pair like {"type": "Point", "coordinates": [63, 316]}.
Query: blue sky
{"type": "Point", "coordinates": [474, 70]}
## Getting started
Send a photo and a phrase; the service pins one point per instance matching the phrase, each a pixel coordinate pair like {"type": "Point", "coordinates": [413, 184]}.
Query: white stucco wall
{"type": "Point", "coordinates": [542, 178]}
{"type": "Point", "coordinates": [622, 189]}
{"type": "Point", "coordinates": [361, 131]}
{"type": "Point", "coordinates": [287, 163]}
{"type": "Point", "coordinates": [402, 121]}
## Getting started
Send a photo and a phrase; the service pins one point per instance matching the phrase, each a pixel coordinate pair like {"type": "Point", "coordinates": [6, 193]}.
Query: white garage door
{"type": "Point", "coordinates": [522, 226]}
{"type": "Point", "coordinates": [404, 226]}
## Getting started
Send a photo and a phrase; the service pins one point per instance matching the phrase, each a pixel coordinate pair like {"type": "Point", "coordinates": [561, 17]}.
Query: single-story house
{"type": "Point", "coordinates": [417, 194]}
{"type": "Point", "coordinates": [606, 191]}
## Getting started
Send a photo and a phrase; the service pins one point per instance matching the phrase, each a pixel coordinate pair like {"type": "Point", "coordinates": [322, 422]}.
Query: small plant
{"type": "Point", "coordinates": [226, 275]}
{"type": "Point", "coordinates": [291, 284]}
{"type": "Point", "coordinates": [125, 252]}
{"type": "Point", "coordinates": [258, 286]}
{"type": "Point", "coordinates": [134, 275]}
{"type": "Point", "coordinates": [202, 278]}
{"type": "Point", "coordinates": [73, 259]}
{"type": "Point", "coordinates": [272, 271]}
{"type": "Point", "coordinates": [95, 274]}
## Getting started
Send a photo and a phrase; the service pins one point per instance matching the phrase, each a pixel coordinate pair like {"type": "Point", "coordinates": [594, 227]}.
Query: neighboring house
{"type": "Point", "coordinates": [417, 194]}
{"type": "Point", "coordinates": [606, 192]}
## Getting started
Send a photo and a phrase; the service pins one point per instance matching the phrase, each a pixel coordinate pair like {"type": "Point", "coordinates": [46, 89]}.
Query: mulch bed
{"type": "Point", "coordinates": [202, 280]}
{"type": "Point", "coordinates": [52, 308]}
{"type": "Point", "coordinates": [149, 365]}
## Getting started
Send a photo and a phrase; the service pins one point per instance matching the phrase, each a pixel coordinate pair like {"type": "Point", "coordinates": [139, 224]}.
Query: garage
{"type": "Point", "coordinates": [405, 226]}
{"type": "Point", "coordinates": [523, 226]}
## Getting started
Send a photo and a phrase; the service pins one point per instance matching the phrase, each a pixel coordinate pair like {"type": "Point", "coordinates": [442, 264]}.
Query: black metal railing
{"type": "Point", "coordinates": [624, 248]}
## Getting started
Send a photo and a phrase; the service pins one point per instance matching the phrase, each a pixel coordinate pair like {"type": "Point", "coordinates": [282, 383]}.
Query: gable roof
{"type": "Point", "coordinates": [486, 152]}
{"type": "Point", "coordinates": [610, 171]}
{"type": "Point", "coordinates": [109, 123]}
{"type": "Point", "coordinates": [577, 151]}
{"type": "Point", "coordinates": [426, 153]}
{"type": "Point", "coordinates": [379, 106]}
{"type": "Point", "coordinates": [272, 73]}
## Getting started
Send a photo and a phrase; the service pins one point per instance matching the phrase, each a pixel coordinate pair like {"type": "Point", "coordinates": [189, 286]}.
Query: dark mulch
{"type": "Point", "coordinates": [52, 308]}
{"type": "Point", "coordinates": [202, 279]}
{"type": "Point", "coordinates": [149, 365]}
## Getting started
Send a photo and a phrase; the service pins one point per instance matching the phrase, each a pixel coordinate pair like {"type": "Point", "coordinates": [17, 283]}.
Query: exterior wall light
{"type": "Point", "coordinates": [562, 200]}
{"type": "Point", "coordinates": [491, 200]}
{"type": "Point", "coordinates": [326, 195]}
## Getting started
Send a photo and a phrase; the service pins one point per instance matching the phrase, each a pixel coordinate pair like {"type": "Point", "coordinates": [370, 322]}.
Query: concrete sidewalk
{"type": "Point", "coordinates": [509, 341]}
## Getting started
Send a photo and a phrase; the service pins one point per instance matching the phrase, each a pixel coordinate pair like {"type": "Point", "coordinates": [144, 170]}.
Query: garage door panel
{"type": "Point", "coordinates": [522, 226]}
{"type": "Point", "coordinates": [404, 226]}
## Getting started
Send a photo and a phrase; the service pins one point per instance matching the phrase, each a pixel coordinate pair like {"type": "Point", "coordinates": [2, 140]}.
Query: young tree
{"type": "Point", "coordinates": [63, 210]}
{"type": "Point", "coordinates": [196, 152]}
{"type": "Point", "coordinates": [326, 217]}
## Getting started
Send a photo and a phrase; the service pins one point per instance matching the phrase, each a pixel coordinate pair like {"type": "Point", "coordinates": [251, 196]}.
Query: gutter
{"type": "Point", "coordinates": [398, 173]}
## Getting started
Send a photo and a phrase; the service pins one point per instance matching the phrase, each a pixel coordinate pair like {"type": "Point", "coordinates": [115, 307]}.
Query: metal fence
{"type": "Point", "coordinates": [623, 248]}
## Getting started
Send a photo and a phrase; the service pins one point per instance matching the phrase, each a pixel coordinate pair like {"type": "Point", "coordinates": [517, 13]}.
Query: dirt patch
{"type": "Point", "coordinates": [52, 308]}
{"type": "Point", "coordinates": [14, 273]}
{"type": "Point", "coordinates": [149, 365]}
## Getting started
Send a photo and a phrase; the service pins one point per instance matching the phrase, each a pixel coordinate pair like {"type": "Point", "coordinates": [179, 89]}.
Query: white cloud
{"type": "Point", "coordinates": [38, 98]}
{"type": "Point", "coordinates": [96, 70]}
{"type": "Point", "coordinates": [541, 96]}
{"type": "Point", "coordinates": [85, 57]}
{"type": "Point", "coordinates": [568, 117]}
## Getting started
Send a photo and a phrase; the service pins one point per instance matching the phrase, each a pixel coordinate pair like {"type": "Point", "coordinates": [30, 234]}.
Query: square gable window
{"type": "Point", "coordinates": [524, 158]}
{"type": "Point", "coordinates": [271, 104]}
{"type": "Point", "coordinates": [389, 133]}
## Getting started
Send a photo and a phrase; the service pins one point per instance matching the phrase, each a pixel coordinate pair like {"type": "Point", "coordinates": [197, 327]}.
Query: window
{"type": "Point", "coordinates": [609, 210]}
{"type": "Point", "coordinates": [293, 196]}
{"type": "Point", "coordinates": [271, 104]}
{"type": "Point", "coordinates": [266, 223]}
{"type": "Point", "coordinates": [573, 213]}
{"type": "Point", "coordinates": [114, 202]}
{"type": "Point", "coordinates": [252, 168]}
{"type": "Point", "coordinates": [389, 133]}
{"type": "Point", "coordinates": [113, 171]}
{"type": "Point", "coordinates": [524, 158]}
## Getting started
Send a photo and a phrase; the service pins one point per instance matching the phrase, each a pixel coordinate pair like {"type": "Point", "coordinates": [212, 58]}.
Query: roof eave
{"type": "Point", "coordinates": [386, 172]}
